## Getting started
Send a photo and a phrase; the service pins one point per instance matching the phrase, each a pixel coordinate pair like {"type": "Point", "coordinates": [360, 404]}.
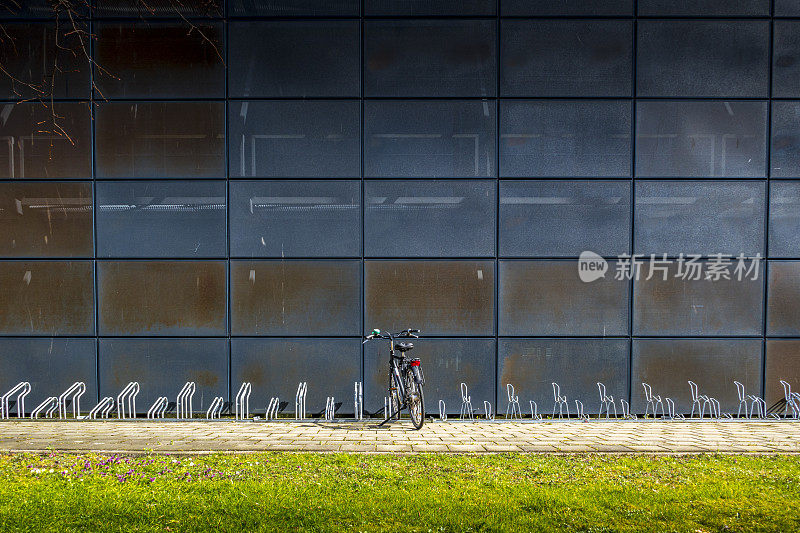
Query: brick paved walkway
{"type": "Point", "coordinates": [594, 436]}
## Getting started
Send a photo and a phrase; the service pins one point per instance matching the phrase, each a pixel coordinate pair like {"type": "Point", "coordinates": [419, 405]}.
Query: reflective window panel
{"type": "Point", "coordinates": [534, 8]}
{"type": "Point", "coordinates": [169, 9]}
{"type": "Point", "coordinates": [438, 297]}
{"type": "Point", "coordinates": [667, 364]}
{"type": "Point", "coordinates": [785, 56]}
{"type": "Point", "coordinates": [446, 363]}
{"type": "Point", "coordinates": [37, 141]}
{"type": "Point", "coordinates": [784, 219]}
{"type": "Point", "coordinates": [787, 8]}
{"type": "Point", "coordinates": [159, 60]}
{"type": "Point", "coordinates": [51, 365]}
{"type": "Point", "coordinates": [674, 217]}
{"type": "Point", "coordinates": [162, 366]}
{"type": "Point", "coordinates": [429, 139]}
{"type": "Point", "coordinates": [446, 218]}
{"type": "Point", "coordinates": [422, 8]}
{"type": "Point", "coordinates": [132, 217]}
{"type": "Point", "coordinates": [162, 297]}
{"type": "Point", "coordinates": [702, 58]}
{"type": "Point", "coordinates": [548, 298]}
{"type": "Point", "coordinates": [785, 152]}
{"type": "Point", "coordinates": [407, 58]}
{"type": "Point", "coordinates": [46, 298]}
{"type": "Point", "coordinates": [701, 307]}
{"type": "Point", "coordinates": [756, 8]}
{"type": "Point", "coordinates": [276, 366]}
{"type": "Point", "coordinates": [160, 140]}
{"type": "Point", "coordinates": [295, 218]}
{"type": "Point", "coordinates": [294, 59]}
{"type": "Point", "coordinates": [782, 363]}
{"type": "Point", "coordinates": [701, 139]}
{"type": "Point", "coordinates": [576, 138]}
{"type": "Point", "coordinates": [295, 297]}
{"type": "Point", "coordinates": [783, 298]}
{"type": "Point", "coordinates": [35, 67]}
{"type": "Point", "coordinates": [566, 58]}
{"type": "Point", "coordinates": [531, 366]}
{"type": "Point", "coordinates": [294, 139]}
{"type": "Point", "coordinates": [292, 8]}
{"type": "Point", "coordinates": [46, 219]}
{"type": "Point", "coordinates": [564, 218]}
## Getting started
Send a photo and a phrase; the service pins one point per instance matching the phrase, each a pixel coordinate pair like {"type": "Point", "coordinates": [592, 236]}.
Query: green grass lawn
{"type": "Point", "coordinates": [335, 492]}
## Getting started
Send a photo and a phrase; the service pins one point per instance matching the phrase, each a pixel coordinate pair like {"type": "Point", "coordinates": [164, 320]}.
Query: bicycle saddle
{"type": "Point", "coordinates": [403, 346]}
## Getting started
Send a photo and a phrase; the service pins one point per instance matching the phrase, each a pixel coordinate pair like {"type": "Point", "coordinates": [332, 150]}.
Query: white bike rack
{"type": "Point", "coordinates": [215, 409]}
{"type": "Point", "coordinates": [442, 411]}
{"type": "Point", "coordinates": [330, 409]}
{"type": "Point", "coordinates": [49, 406]}
{"type": "Point", "coordinates": [103, 408]}
{"type": "Point", "coordinates": [535, 411]}
{"type": "Point", "coordinates": [158, 408]}
{"type": "Point", "coordinates": [487, 408]}
{"type": "Point", "coordinates": [579, 410]}
{"type": "Point", "coordinates": [272, 408]}
{"type": "Point", "coordinates": [242, 408]}
{"type": "Point", "coordinates": [21, 389]}
{"type": "Point", "coordinates": [126, 400]}
{"type": "Point", "coordinates": [671, 414]}
{"type": "Point", "coordinates": [358, 400]}
{"type": "Point", "coordinates": [466, 403]}
{"type": "Point", "coordinates": [300, 401]}
{"type": "Point", "coordinates": [513, 406]}
{"type": "Point", "coordinates": [183, 405]}
{"type": "Point", "coordinates": [626, 410]}
{"type": "Point", "coordinates": [74, 393]}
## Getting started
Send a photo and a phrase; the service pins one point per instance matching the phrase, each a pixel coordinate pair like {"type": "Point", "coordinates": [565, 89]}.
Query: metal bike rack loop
{"type": "Point", "coordinates": [300, 401]}
{"type": "Point", "coordinates": [358, 400]}
{"type": "Point", "coordinates": [73, 393]}
{"type": "Point", "coordinates": [242, 408]}
{"type": "Point", "coordinates": [103, 407]}
{"type": "Point", "coordinates": [272, 408]}
{"type": "Point", "coordinates": [126, 401]}
{"type": "Point", "coordinates": [215, 409]}
{"type": "Point", "coordinates": [49, 406]}
{"type": "Point", "coordinates": [158, 408]}
{"type": "Point", "coordinates": [21, 390]}
{"type": "Point", "coordinates": [183, 405]}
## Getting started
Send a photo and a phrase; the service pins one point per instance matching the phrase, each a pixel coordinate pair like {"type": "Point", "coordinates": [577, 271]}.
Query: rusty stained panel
{"type": "Point", "coordinates": [51, 365]}
{"type": "Point", "coordinates": [697, 307]}
{"type": "Point", "coordinates": [295, 297]}
{"type": "Point", "coordinates": [783, 298]}
{"type": "Point", "coordinates": [548, 298]}
{"type": "Point", "coordinates": [162, 297]}
{"type": "Point", "coordinates": [33, 143]}
{"type": "Point", "coordinates": [160, 140]}
{"type": "Point", "coordinates": [782, 363]}
{"type": "Point", "coordinates": [532, 365]}
{"type": "Point", "coordinates": [162, 366]}
{"type": "Point", "coordinates": [446, 363]}
{"type": "Point", "coordinates": [714, 364]}
{"type": "Point", "coordinates": [46, 219]}
{"type": "Point", "coordinates": [437, 297]}
{"type": "Point", "coordinates": [276, 366]}
{"type": "Point", "coordinates": [46, 298]}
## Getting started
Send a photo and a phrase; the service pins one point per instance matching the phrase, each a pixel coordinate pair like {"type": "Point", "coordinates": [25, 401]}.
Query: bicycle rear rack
{"type": "Point", "coordinates": [242, 407]}
{"type": "Point", "coordinates": [103, 407]}
{"type": "Point", "coordinates": [73, 393]}
{"type": "Point", "coordinates": [159, 408]}
{"type": "Point", "coordinates": [49, 406]}
{"type": "Point", "coordinates": [183, 405]}
{"type": "Point", "coordinates": [21, 389]}
{"type": "Point", "coordinates": [126, 401]}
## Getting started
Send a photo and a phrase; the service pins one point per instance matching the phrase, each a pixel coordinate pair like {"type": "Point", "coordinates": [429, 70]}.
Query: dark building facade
{"type": "Point", "coordinates": [238, 192]}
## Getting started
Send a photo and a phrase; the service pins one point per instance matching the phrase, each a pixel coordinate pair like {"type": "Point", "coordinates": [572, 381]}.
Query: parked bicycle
{"type": "Point", "coordinates": [405, 378]}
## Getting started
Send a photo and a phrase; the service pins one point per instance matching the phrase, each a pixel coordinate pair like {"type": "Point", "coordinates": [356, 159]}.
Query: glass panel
{"type": "Point", "coordinates": [172, 9]}
{"type": "Point", "coordinates": [704, 7]}
{"type": "Point", "coordinates": [422, 8]}
{"type": "Point", "coordinates": [295, 297]}
{"type": "Point", "coordinates": [782, 363]}
{"type": "Point", "coordinates": [429, 139]}
{"type": "Point", "coordinates": [787, 8]}
{"type": "Point", "coordinates": [429, 218]}
{"type": "Point", "coordinates": [702, 58]}
{"type": "Point", "coordinates": [160, 139]}
{"type": "Point", "coordinates": [306, 8]}
{"type": "Point", "coordinates": [36, 67]}
{"type": "Point", "coordinates": [46, 298]}
{"type": "Point", "coordinates": [785, 153]}
{"type": "Point", "coordinates": [431, 58]}
{"type": "Point", "coordinates": [46, 219]}
{"type": "Point", "coordinates": [37, 141]}
{"type": "Point", "coordinates": [564, 218]}
{"type": "Point", "coordinates": [783, 298]}
{"type": "Point", "coordinates": [667, 364]}
{"type": "Point", "coordinates": [446, 364]}
{"type": "Point", "coordinates": [439, 297]}
{"type": "Point", "coordinates": [533, 365]}
{"type": "Point", "coordinates": [566, 58]}
{"type": "Point", "coordinates": [51, 366]}
{"type": "Point", "coordinates": [162, 366]}
{"type": "Point", "coordinates": [533, 8]}
{"type": "Point", "coordinates": [785, 66]}
{"type": "Point", "coordinates": [11, 9]}
{"type": "Point", "coordinates": [295, 59]}
{"type": "Point", "coordinates": [548, 138]}
{"type": "Point", "coordinates": [784, 219]}
{"type": "Point", "coordinates": [295, 218]}
{"type": "Point", "coordinates": [295, 139]}
{"type": "Point", "coordinates": [697, 307]}
{"type": "Point", "coordinates": [162, 297]}
{"type": "Point", "coordinates": [701, 139]}
{"type": "Point", "coordinates": [132, 216]}
{"type": "Point", "coordinates": [151, 60]}
{"type": "Point", "coordinates": [548, 298]}
{"type": "Point", "coordinates": [276, 366]}
{"type": "Point", "coordinates": [699, 218]}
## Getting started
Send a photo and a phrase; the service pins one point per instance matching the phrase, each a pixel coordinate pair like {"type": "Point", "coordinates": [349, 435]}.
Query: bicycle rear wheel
{"type": "Point", "coordinates": [416, 405]}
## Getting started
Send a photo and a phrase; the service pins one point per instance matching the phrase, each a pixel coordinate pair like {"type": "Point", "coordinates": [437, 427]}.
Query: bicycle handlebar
{"type": "Point", "coordinates": [413, 333]}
